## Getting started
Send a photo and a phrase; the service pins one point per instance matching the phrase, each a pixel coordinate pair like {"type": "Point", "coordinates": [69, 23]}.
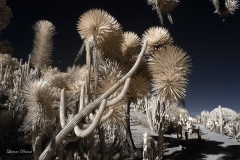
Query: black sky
{"type": "Point", "coordinates": [214, 46]}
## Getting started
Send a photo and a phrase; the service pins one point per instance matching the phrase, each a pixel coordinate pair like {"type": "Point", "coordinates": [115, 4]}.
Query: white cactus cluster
{"type": "Point", "coordinates": [223, 120]}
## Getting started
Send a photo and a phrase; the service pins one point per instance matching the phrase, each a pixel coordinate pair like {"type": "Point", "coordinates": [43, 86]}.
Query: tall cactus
{"type": "Point", "coordinates": [220, 119]}
{"type": "Point", "coordinates": [58, 139]}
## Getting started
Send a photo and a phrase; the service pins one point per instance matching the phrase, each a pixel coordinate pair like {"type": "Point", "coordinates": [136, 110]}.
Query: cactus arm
{"type": "Point", "coordinates": [121, 95]}
{"type": "Point", "coordinates": [37, 145]}
{"type": "Point", "coordinates": [91, 116]}
{"type": "Point", "coordinates": [62, 109]}
{"type": "Point", "coordinates": [88, 63]}
{"type": "Point", "coordinates": [105, 117]}
{"type": "Point", "coordinates": [81, 103]}
{"type": "Point", "coordinates": [52, 146]}
{"type": "Point", "coordinates": [83, 133]}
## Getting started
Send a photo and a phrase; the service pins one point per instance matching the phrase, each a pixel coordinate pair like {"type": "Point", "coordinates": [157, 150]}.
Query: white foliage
{"type": "Point", "coordinates": [228, 114]}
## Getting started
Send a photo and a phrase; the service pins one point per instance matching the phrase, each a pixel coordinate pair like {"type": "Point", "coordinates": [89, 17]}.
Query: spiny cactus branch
{"type": "Point", "coordinates": [104, 118]}
{"type": "Point", "coordinates": [121, 95]}
{"type": "Point", "coordinates": [52, 146]}
{"type": "Point", "coordinates": [88, 63]}
{"type": "Point", "coordinates": [62, 109]}
{"type": "Point", "coordinates": [83, 133]}
{"type": "Point", "coordinates": [82, 98]}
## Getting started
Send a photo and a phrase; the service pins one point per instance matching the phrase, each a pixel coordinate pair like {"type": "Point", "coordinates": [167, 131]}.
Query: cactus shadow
{"type": "Point", "coordinates": [198, 150]}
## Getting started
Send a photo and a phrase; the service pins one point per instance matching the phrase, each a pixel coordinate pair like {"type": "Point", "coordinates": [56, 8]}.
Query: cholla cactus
{"type": "Point", "coordinates": [227, 113]}
{"type": "Point", "coordinates": [83, 107]}
{"type": "Point", "coordinates": [221, 116]}
{"type": "Point", "coordinates": [89, 108]}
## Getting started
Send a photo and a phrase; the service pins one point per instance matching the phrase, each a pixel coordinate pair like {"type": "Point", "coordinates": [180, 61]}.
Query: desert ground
{"type": "Point", "coordinates": [213, 146]}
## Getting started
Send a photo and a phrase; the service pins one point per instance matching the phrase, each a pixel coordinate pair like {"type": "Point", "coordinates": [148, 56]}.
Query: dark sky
{"type": "Point", "coordinates": [214, 46]}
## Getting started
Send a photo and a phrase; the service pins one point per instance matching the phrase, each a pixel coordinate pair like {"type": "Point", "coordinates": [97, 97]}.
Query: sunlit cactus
{"type": "Point", "coordinates": [139, 87]}
{"type": "Point", "coordinates": [116, 116]}
{"type": "Point", "coordinates": [43, 44]}
{"type": "Point", "coordinates": [131, 46]}
{"type": "Point", "coordinates": [58, 139]}
{"type": "Point", "coordinates": [98, 28]}
{"type": "Point", "coordinates": [227, 114]}
{"type": "Point", "coordinates": [39, 105]}
{"type": "Point", "coordinates": [76, 77]}
{"type": "Point", "coordinates": [170, 67]}
{"type": "Point", "coordinates": [157, 38]}
{"type": "Point", "coordinates": [60, 80]}
{"type": "Point", "coordinates": [110, 73]}
{"type": "Point", "coordinates": [176, 113]}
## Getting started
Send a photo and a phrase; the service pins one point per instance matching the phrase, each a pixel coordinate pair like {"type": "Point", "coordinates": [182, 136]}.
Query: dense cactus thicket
{"type": "Point", "coordinates": [222, 120]}
{"type": "Point", "coordinates": [84, 112]}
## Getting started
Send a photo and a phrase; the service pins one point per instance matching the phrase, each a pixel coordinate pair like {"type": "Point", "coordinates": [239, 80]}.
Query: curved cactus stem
{"type": "Point", "coordinates": [62, 109]}
{"type": "Point", "coordinates": [81, 101]}
{"type": "Point", "coordinates": [91, 116]}
{"type": "Point", "coordinates": [37, 145]}
{"type": "Point", "coordinates": [121, 95]}
{"type": "Point", "coordinates": [83, 133]}
{"type": "Point", "coordinates": [52, 146]}
{"type": "Point", "coordinates": [87, 99]}
{"type": "Point", "coordinates": [88, 63]}
{"type": "Point", "coordinates": [95, 68]}
{"type": "Point", "coordinates": [105, 117]}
